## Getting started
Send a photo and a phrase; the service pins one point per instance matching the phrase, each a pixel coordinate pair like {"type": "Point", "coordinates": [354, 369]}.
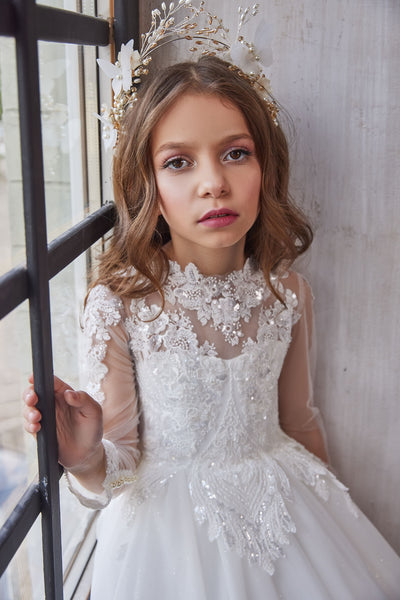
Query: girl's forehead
{"type": "Point", "coordinates": [199, 116]}
{"type": "Point", "coordinates": [192, 102]}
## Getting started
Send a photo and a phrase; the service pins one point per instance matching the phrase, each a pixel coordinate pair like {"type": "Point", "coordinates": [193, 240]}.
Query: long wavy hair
{"type": "Point", "coordinates": [280, 233]}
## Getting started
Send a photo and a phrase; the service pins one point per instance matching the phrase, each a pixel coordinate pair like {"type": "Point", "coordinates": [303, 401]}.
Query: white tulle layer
{"type": "Point", "coordinates": [164, 554]}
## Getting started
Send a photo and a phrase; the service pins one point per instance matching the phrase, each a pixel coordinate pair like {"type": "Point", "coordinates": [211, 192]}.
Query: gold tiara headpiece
{"type": "Point", "coordinates": [207, 36]}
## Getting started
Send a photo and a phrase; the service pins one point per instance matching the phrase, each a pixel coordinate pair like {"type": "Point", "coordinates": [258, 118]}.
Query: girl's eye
{"type": "Point", "coordinates": [237, 154]}
{"type": "Point", "coordinates": [176, 164]}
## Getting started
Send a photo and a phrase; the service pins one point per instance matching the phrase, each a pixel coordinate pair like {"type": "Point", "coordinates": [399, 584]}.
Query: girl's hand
{"type": "Point", "coordinates": [79, 424]}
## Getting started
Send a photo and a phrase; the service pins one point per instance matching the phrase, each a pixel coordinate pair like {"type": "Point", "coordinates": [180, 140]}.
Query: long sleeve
{"type": "Point", "coordinates": [109, 371]}
{"type": "Point", "coordinates": [299, 418]}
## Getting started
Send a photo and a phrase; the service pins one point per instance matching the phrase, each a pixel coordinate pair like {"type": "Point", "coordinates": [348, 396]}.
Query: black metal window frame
{"type": "Point", "coordinates": [29, 23]}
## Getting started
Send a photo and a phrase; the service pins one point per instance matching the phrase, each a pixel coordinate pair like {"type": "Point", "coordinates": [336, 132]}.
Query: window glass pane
{"type": "Point", "coordinates": [53, 3]}
{"type": "Point", "coordinates": [69, 134]}
{"type": "Point", "coordinates": [82, 6]}
{"type": "Point", "coordinates": [18, 463]}
{"type": "Point", "coordinates": [95, 193]}
{"type": "Point", "coordinates": [78, 539]}
{"type": "Point", "coordinates": [24, 577]}
{"type": "Point", "coordinates": [62, 135]}
{"type": "Point", "coordinates": [67, 293]}
{"type": "Point", "coordinates": [12, 236]}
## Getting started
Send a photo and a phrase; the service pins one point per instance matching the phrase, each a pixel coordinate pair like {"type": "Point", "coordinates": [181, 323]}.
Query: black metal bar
{"type": "Point", "coordinates": [18, 524]}
{"type": "Point", "coordinates": [36, 248]}
{"type": "Point", "coordinates": [69, 245]}
{"type": "Point", "coordinates": [8, 24]}
{"type": "Point", "coordinates": [65, 26]}
{"type": "Point", "coordinates": [14, 289]}
{"type": "Point", "coordinates": [58, 25]}
{"type": "Point", "coordinates": [126, 22]}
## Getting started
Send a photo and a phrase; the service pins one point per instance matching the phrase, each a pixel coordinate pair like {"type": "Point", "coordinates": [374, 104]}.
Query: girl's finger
{"type": "Point", "coordinates": [30, 398]}
{"type": "Point", "coordinates": [32, 416]}
{"type": "Point", "coordinates": [32, 428]}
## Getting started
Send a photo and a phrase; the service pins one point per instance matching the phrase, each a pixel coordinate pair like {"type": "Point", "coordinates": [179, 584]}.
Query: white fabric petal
{"type": "Point", "coordinates": [263, 43]}
{"type": "Point", "coordinates": [109, 69]}
{"type": "Point", "coordinates": [117, 84]}
{"type": "Point", "coordinates": [125, 63]}
{"type": "Point", "coordinates": [135, 60]}
{"type": "Point", "coordinates": [243, 58]}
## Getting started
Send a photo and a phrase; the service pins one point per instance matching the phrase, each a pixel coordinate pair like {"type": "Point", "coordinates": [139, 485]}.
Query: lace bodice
{"type": "Point", "coordinates": [212, 382]}
{"type": "Point", "coordinates": [204, 355]}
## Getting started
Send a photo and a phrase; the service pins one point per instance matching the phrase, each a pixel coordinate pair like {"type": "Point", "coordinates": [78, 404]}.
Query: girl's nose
{"type": "Point", "coordinates": [212, 182]}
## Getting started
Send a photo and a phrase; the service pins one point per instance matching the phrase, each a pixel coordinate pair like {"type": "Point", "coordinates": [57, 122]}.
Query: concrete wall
{"type": "Point", "coordinates": [336, 70]}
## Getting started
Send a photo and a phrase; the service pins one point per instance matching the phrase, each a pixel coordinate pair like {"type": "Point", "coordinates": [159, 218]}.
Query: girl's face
{"type": "Point", "coordinates": [208, 179]}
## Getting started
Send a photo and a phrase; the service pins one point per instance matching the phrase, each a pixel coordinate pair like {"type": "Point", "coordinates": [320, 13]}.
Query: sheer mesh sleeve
{"type": "Point", "coordinates": [299, 418]}
{"type": "Point", "coordinates": [110, 379]}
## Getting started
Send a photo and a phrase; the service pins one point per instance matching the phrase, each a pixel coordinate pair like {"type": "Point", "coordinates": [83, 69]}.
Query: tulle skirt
{"type": "Point", "coordinates": [164, 554]}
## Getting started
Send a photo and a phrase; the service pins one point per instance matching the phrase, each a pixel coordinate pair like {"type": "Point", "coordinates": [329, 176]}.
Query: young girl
{"type": "Point", "coordinates": [200, 427]}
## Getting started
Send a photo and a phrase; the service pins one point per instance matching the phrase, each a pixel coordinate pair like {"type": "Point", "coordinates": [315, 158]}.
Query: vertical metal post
{"type": "Point", "coordinates": [37, 265]}
{"type": "Point", "coordinates": [126, 23]}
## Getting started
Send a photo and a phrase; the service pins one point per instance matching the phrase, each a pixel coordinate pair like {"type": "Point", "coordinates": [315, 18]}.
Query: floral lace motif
{"type": "Point", "coordinates": [225, 301]}
{"type": "Point", "coordinates": [103, 311]}
{"type": "Point", "coordinates": [169, 330]}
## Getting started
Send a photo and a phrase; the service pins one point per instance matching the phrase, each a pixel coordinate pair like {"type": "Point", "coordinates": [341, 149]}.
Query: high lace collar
{"type": "Point", "coordinates": [191, 273]}
{"type": "Point", "coordinates": [221, 300]}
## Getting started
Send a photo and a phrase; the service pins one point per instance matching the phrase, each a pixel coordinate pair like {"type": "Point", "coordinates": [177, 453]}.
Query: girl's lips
{"type": "Point", "coordinates": [219, 218]}
{"type": "Point", "coordinates": [219, 213]}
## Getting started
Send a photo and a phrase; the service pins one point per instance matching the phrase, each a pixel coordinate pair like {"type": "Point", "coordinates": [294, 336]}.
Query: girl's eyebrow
{"type": "Point", "coordinates": [171, 146]}
{"type": "Point", "coordinates": [178, 145]}
{"type": "Point", "coordinates": [237, 136]}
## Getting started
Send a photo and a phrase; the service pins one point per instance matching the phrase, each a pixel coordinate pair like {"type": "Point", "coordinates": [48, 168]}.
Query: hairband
{"type": "Point", "coordinates": [207, 36]}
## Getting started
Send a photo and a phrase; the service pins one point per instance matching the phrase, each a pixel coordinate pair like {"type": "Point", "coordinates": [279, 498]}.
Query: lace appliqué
{"type": "Point", "coordinates": [245, 506]}
{"type": "Point", "coordinates": [309, 469]}
{"type": "Point", "coordinates": [224, 301]}
{"type": "Point", "coordinates": [103, 310]}
{"type": "Point", "coordinates": [170, 331]}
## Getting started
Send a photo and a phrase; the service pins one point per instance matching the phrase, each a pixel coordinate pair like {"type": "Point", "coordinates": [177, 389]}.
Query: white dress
{"type": "Point", "coordinates": [211, 499]}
